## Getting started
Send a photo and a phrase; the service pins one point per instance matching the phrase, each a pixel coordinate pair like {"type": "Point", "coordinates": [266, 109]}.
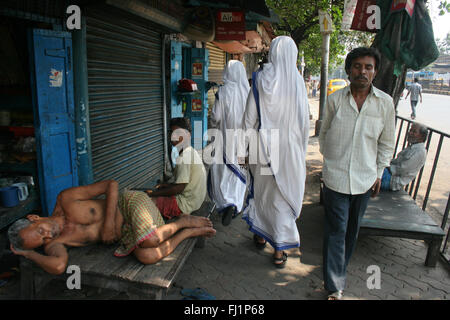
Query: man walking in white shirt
{"type": "Point", "coordinates": [416, 91]}
{"type": "Point", "coordinates": [356, 139]}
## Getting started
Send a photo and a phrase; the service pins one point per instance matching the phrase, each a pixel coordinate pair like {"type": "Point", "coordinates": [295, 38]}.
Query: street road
{"type": "Point", "coordinates": [433, 112]}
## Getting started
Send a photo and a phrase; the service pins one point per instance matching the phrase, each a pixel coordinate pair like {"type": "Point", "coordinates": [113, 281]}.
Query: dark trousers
{"type": "Point", "coordinates": [343, 214]}
{"type": "Point", "coordinates": [413, 107]}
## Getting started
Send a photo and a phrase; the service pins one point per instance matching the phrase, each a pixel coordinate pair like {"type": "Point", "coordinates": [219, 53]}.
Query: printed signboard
{"type": "Point", "coordinates": [365, 18]}
{"type": "Point", "coordinates": [230, 25]}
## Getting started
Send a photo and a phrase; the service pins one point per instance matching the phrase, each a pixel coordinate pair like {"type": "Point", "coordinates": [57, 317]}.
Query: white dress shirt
{"type": "Point", "coordinates": [406, 165]}
{"type": "Point", "coordinates": [356, 145]}
{"type": "Point", "coordinates": [415, 90]}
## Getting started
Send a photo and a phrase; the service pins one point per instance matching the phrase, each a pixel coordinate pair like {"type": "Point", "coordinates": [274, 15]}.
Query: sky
{"type": "Point", "coordinates": [441, 24]}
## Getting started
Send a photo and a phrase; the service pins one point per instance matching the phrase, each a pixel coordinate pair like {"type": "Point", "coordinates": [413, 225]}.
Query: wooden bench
{"type": "Point", "coordinates": [396, 214]}
{"type": "Point", "coordinates": [100, 268]}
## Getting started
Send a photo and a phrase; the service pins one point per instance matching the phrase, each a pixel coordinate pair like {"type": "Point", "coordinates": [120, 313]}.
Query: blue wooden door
{"type": "Point", "coordinates": [176, 73]}
{"type": "Point", "coordinates": [52, 85]}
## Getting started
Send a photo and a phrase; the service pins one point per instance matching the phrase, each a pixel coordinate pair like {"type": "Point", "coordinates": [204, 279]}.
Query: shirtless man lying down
{"type": "Point", "coordinates": [131, 218]}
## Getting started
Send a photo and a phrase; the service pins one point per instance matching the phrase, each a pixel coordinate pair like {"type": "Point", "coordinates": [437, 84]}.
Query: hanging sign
{"type": "Point", "coordinates": [348, 14]}
{"type": "Point", "coordinates": [230, 25]}
{"type": "Point", "coordinates": [367, 16]}
{"type": "Point", "coordinates": [364, 15]}
{"type": "Point", "coordinates": [407, 5]}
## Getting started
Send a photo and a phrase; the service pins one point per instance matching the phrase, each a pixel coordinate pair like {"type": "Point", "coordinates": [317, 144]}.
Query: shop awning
{"type": "Point", "coordinates": [233, 47]}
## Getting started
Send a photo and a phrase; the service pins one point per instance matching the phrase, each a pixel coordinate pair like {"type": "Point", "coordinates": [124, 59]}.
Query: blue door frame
{"type": "Point", "coordinates": [191, 63]}
{"type": "Point", "coordinates": [53, 107]}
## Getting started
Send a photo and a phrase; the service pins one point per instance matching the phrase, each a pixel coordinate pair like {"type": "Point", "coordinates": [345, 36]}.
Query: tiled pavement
{"type": "Point", "coordinates": [229, 267]}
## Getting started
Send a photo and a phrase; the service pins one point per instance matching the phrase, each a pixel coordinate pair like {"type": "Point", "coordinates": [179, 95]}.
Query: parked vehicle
{"type": "Point", "coordinates": [335, 84]}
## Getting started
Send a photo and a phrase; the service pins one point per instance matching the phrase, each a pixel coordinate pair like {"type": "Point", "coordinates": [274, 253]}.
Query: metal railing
{"type": "Point", "coordinates": [413, 187]}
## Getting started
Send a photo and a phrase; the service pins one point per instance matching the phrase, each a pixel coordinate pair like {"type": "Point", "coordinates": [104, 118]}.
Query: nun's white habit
{"type": "Point", "coordinates": [278, 109]}
{"type": "Point", "coordinates": [227, 180]}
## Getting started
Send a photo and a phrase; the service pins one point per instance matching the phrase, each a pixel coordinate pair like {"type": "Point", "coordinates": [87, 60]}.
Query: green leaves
{"type": "Point", "coordinates": [300, 20]}
{"type": "Point", "coordinates": [444, 7]}
{"type": "Point", "coordinates": [444, 44]}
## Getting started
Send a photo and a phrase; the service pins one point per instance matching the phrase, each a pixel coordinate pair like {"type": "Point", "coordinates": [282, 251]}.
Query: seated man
{"type": "Point", "coordinates": [187, 193]}
{"type": "Point", "coordinates": [79, 220]}
{"type": "Point", "coordinates": [409, 161]}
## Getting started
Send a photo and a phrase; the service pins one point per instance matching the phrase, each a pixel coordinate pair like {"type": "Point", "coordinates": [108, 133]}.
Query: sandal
{"type": "Point", "coordinates": [280, 262]}
{"type": "Point", "coordinates": [259, 245]}
{"type": "Point", "coordinates": [227, 215]}
{"type": "Point", "coordinates": [337, 295]}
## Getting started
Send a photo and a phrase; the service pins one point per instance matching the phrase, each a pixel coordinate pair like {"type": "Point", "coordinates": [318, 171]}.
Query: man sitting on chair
{"type": "Point", "coordinates": [79, 219]}
{"type": "Point", "coordinates": [404, 168]}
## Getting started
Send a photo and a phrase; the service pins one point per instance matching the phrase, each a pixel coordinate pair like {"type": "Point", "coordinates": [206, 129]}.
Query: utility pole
{"type": "Point", "coordinates": [326, 28]}
{"type": "Point", "coordinates": [302, 65]}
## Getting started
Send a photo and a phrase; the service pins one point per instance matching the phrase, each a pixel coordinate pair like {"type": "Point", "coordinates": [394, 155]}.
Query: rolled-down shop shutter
{"type": "Point", "coordinates": [217, 62]}
{"type": "Point", "coordinates": [125, 98]}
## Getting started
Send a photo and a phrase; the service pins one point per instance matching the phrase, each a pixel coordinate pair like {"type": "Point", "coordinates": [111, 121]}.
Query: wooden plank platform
{"type": "Point", "coordinates": [100, 268]}
{"type": "Point", "coordinates": [395, 214]}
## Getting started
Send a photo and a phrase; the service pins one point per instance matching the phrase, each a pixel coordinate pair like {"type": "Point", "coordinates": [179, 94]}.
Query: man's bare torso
{"type": "Point", "coordinates": [83, 222]}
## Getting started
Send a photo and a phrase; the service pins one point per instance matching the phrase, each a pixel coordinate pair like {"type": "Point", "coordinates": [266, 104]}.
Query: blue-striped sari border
{"type": "Point", "coordinates": [268, 238]}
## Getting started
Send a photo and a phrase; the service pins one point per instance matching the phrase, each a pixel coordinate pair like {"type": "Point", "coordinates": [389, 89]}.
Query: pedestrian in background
{"type": "Point", "coordinates": [227, 180]}
{"type": "Point", "coordinates": [278, 102]}
{"type": "Point", "coordinates": [416, 91]}
{"type": "Point", "coordinates": [356, 140]}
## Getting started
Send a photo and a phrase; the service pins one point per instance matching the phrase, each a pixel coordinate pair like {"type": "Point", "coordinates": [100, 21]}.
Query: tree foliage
{"type": "Point", "coordinates": [444, 44]}
{"type": "Point", "coordinates": [444, 7]}
{"type": "Point", "coordinates": [300, 20]}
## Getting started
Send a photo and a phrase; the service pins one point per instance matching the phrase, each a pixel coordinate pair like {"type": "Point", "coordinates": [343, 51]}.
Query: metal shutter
{"type": "Point", "coordinates": [125, 97]}
{"type": "Point", "coordinates": [217, 62]}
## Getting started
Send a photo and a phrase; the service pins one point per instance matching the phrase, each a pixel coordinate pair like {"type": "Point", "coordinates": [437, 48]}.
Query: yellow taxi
{"type": "Point", "coordinates": [335, 84]}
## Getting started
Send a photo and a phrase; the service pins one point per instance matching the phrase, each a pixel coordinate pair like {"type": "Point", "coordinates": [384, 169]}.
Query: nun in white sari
{"type": "Point", "coordinates": [277, 108]}
{"type": "Point", "coordinates": [227, 180]}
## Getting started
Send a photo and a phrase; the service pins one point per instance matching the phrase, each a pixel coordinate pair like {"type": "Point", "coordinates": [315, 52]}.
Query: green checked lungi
{"type": "Point", "coordinates": [141, 219]}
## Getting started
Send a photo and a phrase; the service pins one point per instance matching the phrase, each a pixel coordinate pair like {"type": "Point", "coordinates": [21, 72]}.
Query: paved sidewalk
{"type": "Point", "coordinates": [230, 267]}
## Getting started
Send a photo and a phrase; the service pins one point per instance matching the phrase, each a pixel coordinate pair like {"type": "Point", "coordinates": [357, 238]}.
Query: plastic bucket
{"type": "Point", "coordinates": [23, 190]}
{"type": "Point", "coordinates": [9, 197]}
